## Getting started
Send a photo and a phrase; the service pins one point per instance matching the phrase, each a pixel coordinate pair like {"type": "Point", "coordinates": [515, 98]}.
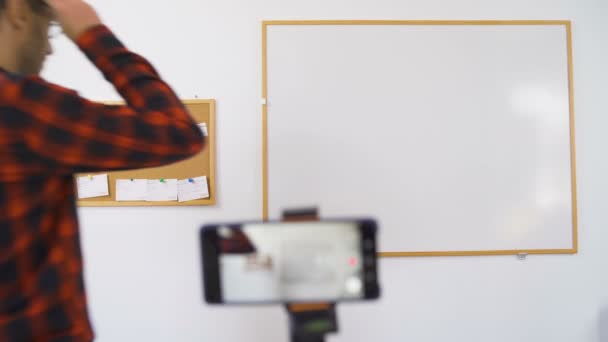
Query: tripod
{"type": "Point", "coordinates": [309, 322]}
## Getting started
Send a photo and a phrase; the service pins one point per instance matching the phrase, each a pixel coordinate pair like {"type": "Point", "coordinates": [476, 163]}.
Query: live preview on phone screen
{"type": "Point", "coordinates": [289, 261]}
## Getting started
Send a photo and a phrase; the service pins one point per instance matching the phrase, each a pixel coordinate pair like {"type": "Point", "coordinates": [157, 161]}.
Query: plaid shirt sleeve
{"type": "Point", "coordinates": [66, 133]}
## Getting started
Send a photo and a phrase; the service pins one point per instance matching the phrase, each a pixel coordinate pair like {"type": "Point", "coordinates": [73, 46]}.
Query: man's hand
{"type": "Point", "coordinates": [74, 16]}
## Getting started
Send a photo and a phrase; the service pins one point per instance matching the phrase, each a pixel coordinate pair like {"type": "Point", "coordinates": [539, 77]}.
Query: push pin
{"type": "Point", "coordinates": [191, 180]}
{"type": "Point", "coordinates": [162, 180]}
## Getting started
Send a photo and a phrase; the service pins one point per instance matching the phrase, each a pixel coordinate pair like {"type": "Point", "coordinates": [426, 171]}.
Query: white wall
{"type": "Point", "coordinates": [142, 263]}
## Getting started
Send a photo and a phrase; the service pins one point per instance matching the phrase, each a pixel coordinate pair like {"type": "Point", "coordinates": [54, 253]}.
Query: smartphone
{"type": "Point", "coordinates": [290, 262]}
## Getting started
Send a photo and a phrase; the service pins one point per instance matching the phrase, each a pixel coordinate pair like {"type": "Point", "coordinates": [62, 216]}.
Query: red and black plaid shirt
{"type": "Point", "coordinates": [49, 133]}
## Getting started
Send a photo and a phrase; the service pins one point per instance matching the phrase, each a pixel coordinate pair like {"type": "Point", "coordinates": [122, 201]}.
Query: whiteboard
{"type": "Point", "coordinates": [457, 137]}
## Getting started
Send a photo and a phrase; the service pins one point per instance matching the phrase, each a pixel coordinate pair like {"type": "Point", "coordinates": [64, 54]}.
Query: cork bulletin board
{"type": "Point", "coordinates": [202, 164]}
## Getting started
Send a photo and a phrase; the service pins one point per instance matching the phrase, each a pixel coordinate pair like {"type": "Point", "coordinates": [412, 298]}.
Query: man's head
{"type": "Point", "coordinates": [24, 35]}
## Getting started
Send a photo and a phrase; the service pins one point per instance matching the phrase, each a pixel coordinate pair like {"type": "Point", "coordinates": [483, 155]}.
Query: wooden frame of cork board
{"type": "Point", "coordinates": [202, 164]}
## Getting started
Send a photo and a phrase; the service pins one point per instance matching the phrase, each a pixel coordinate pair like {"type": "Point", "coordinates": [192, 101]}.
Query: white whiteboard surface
{"type": "Point", "coordinates": [456, 138]}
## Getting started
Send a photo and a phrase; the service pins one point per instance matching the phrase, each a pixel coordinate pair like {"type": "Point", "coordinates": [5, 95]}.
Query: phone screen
{"type": "Point", "coordinates": [292, 261]}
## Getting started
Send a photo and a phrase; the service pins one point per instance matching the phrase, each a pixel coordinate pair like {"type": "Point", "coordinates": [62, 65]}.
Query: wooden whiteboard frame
{"type": "Point", "coordinates": [568, 26]}
{"type": "Point", "coordinates": [210, 145]}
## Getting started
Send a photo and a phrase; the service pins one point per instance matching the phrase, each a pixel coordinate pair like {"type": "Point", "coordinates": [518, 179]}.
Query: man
{"type": "Point", "coordinates": [48, 133]}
